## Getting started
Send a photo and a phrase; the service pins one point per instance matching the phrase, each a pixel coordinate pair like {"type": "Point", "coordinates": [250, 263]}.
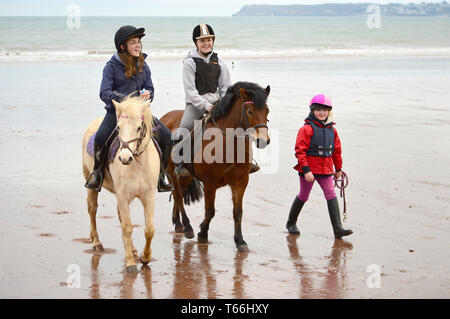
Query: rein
{"type": "Point", "coordinates": [341, 184]}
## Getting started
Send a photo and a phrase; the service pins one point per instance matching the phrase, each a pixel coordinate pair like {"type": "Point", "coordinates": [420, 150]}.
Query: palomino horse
{"type": "Point", "coordinates": [133, 173]}
{"type": "Point", "coordinates": [242, 108]}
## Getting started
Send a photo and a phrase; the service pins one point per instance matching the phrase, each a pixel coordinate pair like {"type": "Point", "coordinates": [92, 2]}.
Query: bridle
{"type": "Point", "coordinates": [244, 120]}
{"type": "Point", "coordinates": [126, 144]}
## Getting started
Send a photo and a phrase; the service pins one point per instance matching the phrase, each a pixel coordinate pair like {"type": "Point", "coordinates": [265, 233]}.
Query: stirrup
{"type": "Point", "coordinates": [94, 187]}
{"type": "Point", "coordinates": [254, 168]}
{"type": "Point", "coordinates": [162, 186]}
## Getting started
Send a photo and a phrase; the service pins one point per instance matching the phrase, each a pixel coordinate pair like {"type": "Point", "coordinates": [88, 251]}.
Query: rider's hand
{"type": "Point", "coordinates": [209, 108]}
{"type": "Point", "coordinates": [145, 95]}
{"type": "Point", "coordinates": [337, 175]}
{"type": "Point", "coordinates": [309, 177]}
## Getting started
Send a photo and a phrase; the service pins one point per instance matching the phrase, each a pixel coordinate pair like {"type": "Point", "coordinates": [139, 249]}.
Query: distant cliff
{"type": "Point", "coordinates": [347, 9]}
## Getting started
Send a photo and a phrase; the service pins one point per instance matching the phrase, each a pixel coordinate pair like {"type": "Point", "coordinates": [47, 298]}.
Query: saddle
{"type": "Point", "coordinates": [114, 144]}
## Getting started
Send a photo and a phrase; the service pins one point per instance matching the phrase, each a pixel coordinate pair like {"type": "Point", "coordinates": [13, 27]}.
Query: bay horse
{"type": "Point", "coordinates": [132, 174]}
{"type": "Point", "coordinates": [244, 107]}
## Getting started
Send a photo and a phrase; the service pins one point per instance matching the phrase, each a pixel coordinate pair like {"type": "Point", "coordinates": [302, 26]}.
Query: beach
{"type": "Point", "coordinates": [392, 115]}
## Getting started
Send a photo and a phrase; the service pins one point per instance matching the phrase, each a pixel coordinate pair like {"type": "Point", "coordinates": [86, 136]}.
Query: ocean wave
{"type": "Point", "coordinates": [179, 54]}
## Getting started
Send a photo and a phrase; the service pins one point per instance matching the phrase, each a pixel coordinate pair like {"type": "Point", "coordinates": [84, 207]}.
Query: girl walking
{"type": "Point", "coordinates": [318, 149]}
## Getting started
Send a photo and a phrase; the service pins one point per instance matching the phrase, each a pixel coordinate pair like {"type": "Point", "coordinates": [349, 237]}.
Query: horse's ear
{"type": "Point", "coordinates": [144, 106]}
{"type": "Point", "coordinates": [244, 95]}
{"type": "Point", "coordinates": [117, 106]}
{"type": "Point", "coordinates": [267, 89]}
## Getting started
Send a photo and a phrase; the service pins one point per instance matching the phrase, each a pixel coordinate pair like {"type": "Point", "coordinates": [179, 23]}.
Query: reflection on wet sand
{"type": "Point", "coordinates": [335, 280]}
{"type": "Point", "coordinates": [335, 275]}
{"type": "Point", "coordinates": [126, 285]}
{"type": "Point", "coordinates": [193, 276]}
{"type": "Point", "coordinates": [239, 278]}
{"type": "Point", "coordinates": [303, 270]}
{"type": "Point", "coordinates": [188, 275]}
{"type": "Point", "coordinates": [95, 286]}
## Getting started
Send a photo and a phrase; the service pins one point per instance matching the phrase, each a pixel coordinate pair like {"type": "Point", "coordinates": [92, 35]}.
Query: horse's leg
{"type": "Point", "coordinates": [188, 231]}
{"type": "Point", "coordinates": [238, 194]}
{"type": "Point", "coordinates": [127, 230]}
{"type": "Point", "coordinates": [134, 250]}
{"type": "Point", "coordinates": [178, 209]}
{"type": "Point", "coordinates": [176, 196]}
{"type": "Point", "coordinates": [92, 197]}
{"type": "Point", "coordinates": [176, 219]}
{"type": "Point", "coordinates": [210, 196]}
{"type": "Point", "coordinates": [149, 206]}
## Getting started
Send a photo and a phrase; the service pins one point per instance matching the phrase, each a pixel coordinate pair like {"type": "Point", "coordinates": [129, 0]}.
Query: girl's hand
{"type": "Point", "coordinates": [338, 175]}
{"type": "Point", "coordinates": [146, 95]}
{"type": "Point", "coordinates": [309, 177]}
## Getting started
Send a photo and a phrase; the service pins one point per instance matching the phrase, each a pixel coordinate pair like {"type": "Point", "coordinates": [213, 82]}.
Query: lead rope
{"type": "Point", "coordinates": [341, 184]}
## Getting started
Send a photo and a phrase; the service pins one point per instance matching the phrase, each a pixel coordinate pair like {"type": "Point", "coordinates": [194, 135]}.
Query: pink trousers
{"type": "Point", "coordinates": [326, 183]}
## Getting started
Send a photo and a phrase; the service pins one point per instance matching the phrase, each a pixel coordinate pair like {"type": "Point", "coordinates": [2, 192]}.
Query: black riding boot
{"type": "Point", "coordinates": [293, 215]}
{"type": "Point", "coordinates": [95, 180]}
{"type": "Point", "coordinates": [180, 171]}
{"type": "Point", "coordinates": [335, 217]}
{"type": "Point", "coordinates": [162, 185]}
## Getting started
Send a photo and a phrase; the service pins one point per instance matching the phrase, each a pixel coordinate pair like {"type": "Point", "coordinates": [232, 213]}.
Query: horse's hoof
{"type": "Point", "coordinates": [131, 269]}
{"type": "Point", "coordinates": [98, 247]}
{"type": "Point", "coordinates": [202, 240]}
{"type": "Point", "coordinates": [243, 249]}
{"type": "Point", "coordinates": [179, 230]}
{"type": "Point", "coordinates": [189, 234]}
{"type": "Point", "coordinates": [144, 261]}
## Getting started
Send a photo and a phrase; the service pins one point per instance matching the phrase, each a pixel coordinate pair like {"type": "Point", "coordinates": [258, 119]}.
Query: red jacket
{"type": "Point", "coordinates": [316, 164]}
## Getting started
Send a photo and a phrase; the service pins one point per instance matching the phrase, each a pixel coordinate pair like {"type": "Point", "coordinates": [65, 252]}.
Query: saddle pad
{"type": "Point", "coordinates": [112, 150]}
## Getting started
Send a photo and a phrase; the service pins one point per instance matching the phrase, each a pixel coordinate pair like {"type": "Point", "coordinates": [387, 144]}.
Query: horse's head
{"type": "Point", "coordinates": [254, 114]}
{"type": "Point", "coordinates": [134, 125]}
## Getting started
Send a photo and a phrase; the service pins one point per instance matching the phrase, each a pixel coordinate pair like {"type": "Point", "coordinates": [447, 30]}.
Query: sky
{"type": "Point", "coordinates": [153, 7]}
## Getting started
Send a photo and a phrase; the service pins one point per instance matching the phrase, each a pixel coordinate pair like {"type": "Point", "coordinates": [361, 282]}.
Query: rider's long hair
{"type": "Point", "coordinates": [132, 64]}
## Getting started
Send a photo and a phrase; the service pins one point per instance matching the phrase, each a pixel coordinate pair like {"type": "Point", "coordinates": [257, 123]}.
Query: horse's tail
{"type": "Point", "coordinates": [193, 192]}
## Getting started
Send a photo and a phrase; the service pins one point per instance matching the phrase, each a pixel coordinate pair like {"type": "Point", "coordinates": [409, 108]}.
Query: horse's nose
{"type": "Point", "coordinates": [124, 161]}
{"type": "Point", "coordinates": [261, 143]}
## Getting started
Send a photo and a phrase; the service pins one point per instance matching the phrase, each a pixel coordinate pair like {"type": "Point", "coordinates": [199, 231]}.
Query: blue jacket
{"type": "Point", "coordinates": [115, 86]}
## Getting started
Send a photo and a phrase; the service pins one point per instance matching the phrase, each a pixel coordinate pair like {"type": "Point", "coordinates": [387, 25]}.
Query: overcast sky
{"type": "Point", "coordinates": [151, 7]}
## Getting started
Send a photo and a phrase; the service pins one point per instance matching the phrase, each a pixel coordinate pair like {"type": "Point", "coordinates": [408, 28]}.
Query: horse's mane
{"type": "Point", "coordinates": [256, 93]}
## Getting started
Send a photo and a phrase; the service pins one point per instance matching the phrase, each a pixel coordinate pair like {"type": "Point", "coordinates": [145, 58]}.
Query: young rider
{"type": "Point", "coordinates": [206, 79]}
{"type": "Point", "coordinates": [126, 72]}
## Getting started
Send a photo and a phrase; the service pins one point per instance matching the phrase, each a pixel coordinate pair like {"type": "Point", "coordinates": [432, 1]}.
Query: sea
{"type": "Point", "coordinates": [82, 38]}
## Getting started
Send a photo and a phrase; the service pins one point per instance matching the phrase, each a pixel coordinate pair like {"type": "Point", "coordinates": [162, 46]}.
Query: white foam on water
{"type": "Point", "coordinates": [179, 54]}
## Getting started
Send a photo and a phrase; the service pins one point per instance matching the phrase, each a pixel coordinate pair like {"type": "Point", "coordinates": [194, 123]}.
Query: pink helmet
{"type": "Point", "coordinates": [321, 99]}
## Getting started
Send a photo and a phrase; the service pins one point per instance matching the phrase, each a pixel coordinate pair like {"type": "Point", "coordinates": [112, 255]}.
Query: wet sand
{"type": "Point", "coordinates": [393, 119]}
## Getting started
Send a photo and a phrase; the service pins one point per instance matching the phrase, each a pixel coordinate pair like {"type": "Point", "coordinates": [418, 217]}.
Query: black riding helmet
{"type": "Point", "coordinates": [202, 31]}
{"type": "Point", "coordinates": [126, 32]}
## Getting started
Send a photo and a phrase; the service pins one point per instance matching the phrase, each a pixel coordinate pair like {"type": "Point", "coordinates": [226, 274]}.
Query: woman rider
{"type": "Point", "coordinates": [206, 79]}
{"type": "Point", "coordinates": [126, 72]}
